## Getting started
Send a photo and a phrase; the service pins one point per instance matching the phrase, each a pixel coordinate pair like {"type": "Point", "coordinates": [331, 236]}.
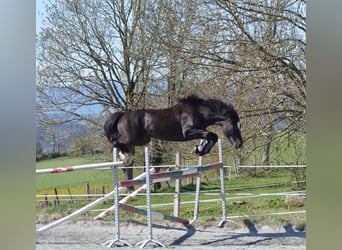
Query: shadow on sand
{"type": "Point", "coordinates": [253, 232]}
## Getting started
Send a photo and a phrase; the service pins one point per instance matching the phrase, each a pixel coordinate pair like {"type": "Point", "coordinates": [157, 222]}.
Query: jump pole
{"type": "Point", "coordinates": [155, 215]}
{"type": "Point", "coordinates": [122, 201]}
{"type": "Point", "coordinates": [165, 176]}
{"type": "Point", "coordinates": [148, 204]}
{"type": "Point", "coordinates": [187, 173]}
{"type": "Point", "coordinates": [76, 168]}
{"type": "Point", "coordinates": [159, 177]}
{"type": "Point", "coordinates": [81, 210]}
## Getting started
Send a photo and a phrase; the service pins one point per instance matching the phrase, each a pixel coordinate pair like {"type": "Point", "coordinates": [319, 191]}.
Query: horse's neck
{"type": "Point", "coordinates": [219, 120]}
{"type": "Point", "coordinates": [215, 119]}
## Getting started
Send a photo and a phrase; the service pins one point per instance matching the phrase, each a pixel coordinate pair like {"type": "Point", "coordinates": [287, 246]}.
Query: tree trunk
{"type": "Point", "coordinates": [266, 155]}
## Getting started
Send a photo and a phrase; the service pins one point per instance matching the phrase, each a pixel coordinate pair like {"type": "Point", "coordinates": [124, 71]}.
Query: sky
{"type": "Point", "coordinates": [40, 10]}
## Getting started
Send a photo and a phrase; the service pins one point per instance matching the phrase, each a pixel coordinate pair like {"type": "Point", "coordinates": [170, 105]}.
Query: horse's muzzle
{"type": "Point", "coordinates": [236, 143]}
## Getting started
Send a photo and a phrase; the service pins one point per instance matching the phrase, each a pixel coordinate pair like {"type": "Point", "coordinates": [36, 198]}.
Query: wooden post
{"type": "Point", "coordinates": [176, 200]}
{"type": "Point", "coordinates": [46, 200]}
{"type": "Point", "coordinates": [72, 200]}
{"type": "Point", "coordinates": [56, 198]}
{"type": "Point", "coordinates": [103, 192]}
{"type": "Point", "coordinates": [88, 190]}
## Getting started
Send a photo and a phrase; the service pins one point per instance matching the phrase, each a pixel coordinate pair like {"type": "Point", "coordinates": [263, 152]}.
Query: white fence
{"type": "Point", "coordinates": [238, 196]}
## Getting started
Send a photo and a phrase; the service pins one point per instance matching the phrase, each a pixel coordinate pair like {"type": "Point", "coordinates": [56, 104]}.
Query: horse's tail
{"type": "Point", "coordinates": [110, 127]}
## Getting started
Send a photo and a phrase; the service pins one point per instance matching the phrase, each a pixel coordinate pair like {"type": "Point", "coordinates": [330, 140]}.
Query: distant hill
{"type": "Point", "coordinates": [63, 133]}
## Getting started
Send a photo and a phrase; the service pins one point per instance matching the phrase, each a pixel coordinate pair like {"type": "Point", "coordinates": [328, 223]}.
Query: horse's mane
{"type": "Point", "coordinates": [215, 105]}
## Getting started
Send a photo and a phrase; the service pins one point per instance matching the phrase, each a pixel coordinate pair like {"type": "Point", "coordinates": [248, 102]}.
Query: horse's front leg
{"type": "Point", "coordinates": [206, 146]}
{"type": "Point", "coordinates": [209, 140]}
{"type": "Point", "coordinates": [200, 148]}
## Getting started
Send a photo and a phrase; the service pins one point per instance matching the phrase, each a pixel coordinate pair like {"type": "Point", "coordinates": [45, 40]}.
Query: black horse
{"type": "Point", "coordinates": [187, 120]}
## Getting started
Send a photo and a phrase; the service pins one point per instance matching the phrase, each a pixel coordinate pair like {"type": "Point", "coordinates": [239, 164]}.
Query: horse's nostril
{"type": "Point", "coordinates": [238, 144]}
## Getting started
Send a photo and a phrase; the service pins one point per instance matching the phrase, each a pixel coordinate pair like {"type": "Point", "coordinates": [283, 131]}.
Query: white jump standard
{"type": "Point", "coordinates": [148, 204]}
{"type": "Point", "coordinates": [117, 240]}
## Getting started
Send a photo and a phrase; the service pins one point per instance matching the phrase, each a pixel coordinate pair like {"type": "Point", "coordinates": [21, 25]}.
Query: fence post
{"type": "Point", "coordinates": [56, 198]}
{"type": "Point", "coordinates": [176, 200]}
{"type": "Point", "coordinates": [46, 200]}
{"type": "Point", "coordinates": [103, 192]}
{"type": "Point", "coordinates": [88, 190]}
{"type": "Point", "coordinates": [72, 200]}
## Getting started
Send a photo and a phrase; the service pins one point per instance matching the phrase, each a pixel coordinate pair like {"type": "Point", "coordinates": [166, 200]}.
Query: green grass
{"type": "Point", "coordinates": [208, 212]}
{"type": "Point", "coordinates": [280, 179]}
{"type": "Point", "coordinates": [75, 181]}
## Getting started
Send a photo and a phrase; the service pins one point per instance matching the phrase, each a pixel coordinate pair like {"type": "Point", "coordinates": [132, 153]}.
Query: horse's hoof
{"type": "Point", "coordinates": [198, 150]}
{"type": "Point", "coordinates": [122, 156]}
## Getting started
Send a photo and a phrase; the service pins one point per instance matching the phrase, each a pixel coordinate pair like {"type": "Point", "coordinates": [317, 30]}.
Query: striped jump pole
{"type": "Point", "coordinates": [155, 215]}
{"type": "Point", "coordinates": [158, 177]}
{"type": "Point", "coordinates": [186, 174]}
{"type": "Point", "coordinates": [76, 168]}
{"type": "Point", "coordinates": [172, 175]}
{"type": "Point", "coordinates": [85, 208]}
{"type": "Point", "coordinates": [81, 210]}
{"type": "Point", "coordinates": [148, 204]}
{"type": "Point", "coordinates": [122, 201]}
{"type": "Point", "coordinates": [76, 213]}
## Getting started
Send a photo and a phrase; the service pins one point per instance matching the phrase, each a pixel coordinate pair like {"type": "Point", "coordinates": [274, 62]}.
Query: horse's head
{"type": "Point", "coordinates": [231, 129]}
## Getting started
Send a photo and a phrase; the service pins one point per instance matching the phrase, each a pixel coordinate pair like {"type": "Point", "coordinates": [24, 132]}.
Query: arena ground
{"type": "Point", "coordinates": [92, 235]}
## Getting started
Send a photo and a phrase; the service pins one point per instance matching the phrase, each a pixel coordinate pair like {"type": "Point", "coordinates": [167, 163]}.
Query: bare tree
{"type": "Point", "coordinates": [258, 56]}
{"type": "Point", "coordinates": [93, 53]}
{"type": "Point", "coordinates": [127, 54]}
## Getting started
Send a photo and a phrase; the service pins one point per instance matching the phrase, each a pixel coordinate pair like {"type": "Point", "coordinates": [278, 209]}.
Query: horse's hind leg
{"type": "Point", "coordinates": [127, 156]}
{"type": "Point", "coordinates": [156, 160]}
